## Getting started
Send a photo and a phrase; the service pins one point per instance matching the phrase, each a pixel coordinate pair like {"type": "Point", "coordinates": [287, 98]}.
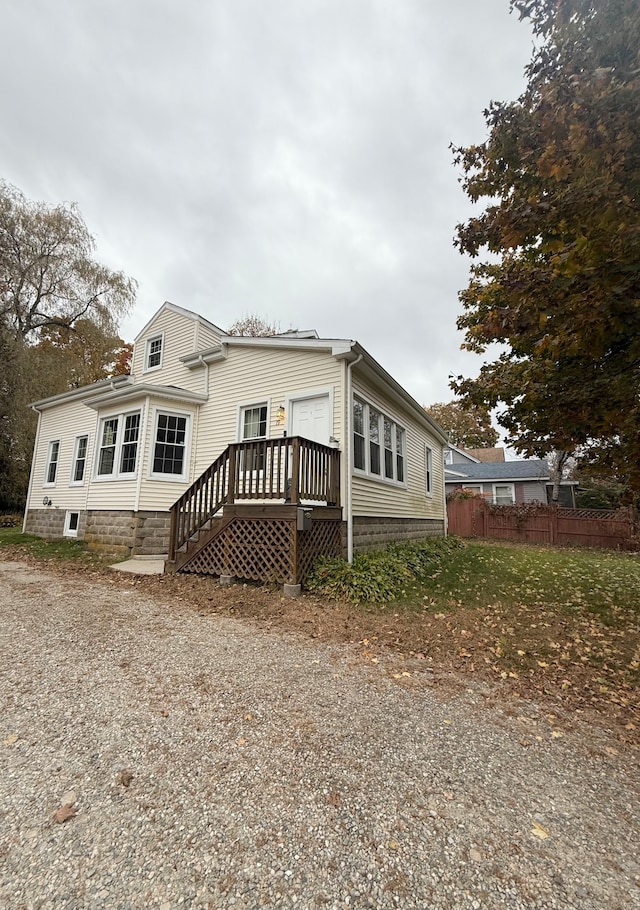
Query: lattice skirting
{"type": "Point", "coordinates": [267, 550]}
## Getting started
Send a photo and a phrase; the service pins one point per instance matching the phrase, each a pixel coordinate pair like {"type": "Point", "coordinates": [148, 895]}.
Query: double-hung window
{"type": "Point", "coordinates": [51, 470]}
{"type": "Point", "coordinates": [428, 470]}
{"type": "Point", "coordinates": [503, 494]}
{"type": "Point", "coordinates": [359, 442]}
{"type": "Point", "coordinates": [79, 460]}
{"type": "Point", "coordinates": [253, 426]}
{"type": "Point", "coordinates": [118, 446]}
{"type": "Point", "coordinates": [153, 353]}
{"type": "Point", "coordinates": [378, 443]}
{"type": "Point", "coordinates": [170, 446]}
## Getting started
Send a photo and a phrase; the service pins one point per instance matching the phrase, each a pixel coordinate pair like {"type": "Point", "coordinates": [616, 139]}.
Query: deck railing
{"type": "Point", "coordinates": [291, 469]}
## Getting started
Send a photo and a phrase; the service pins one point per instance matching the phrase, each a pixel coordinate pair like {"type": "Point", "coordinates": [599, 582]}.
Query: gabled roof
{"type": "Point", "coordinates": [531, 469]}
{"type": "Point", "coordinates": [174, 308]}
{"type": "Point", "coordinates": [465, 454]}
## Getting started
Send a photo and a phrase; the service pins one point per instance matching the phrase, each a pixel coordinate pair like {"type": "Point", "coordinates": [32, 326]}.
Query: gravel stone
{"type": "Point", "coordinates": [268, 770]}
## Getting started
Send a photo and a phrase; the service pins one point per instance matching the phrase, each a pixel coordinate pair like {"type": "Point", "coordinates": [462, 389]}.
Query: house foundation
{"type": "Point", "coordinates": [122, 532]}
{"type": "Point", "coordinates": [373, 533]}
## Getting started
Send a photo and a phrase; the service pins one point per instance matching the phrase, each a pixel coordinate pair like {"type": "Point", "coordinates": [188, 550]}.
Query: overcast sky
{"type": "Point", "coordinates": [284, 157]}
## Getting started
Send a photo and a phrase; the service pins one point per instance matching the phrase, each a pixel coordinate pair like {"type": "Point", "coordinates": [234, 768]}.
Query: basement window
{"type": "Point", "coordinates": [71, 524]}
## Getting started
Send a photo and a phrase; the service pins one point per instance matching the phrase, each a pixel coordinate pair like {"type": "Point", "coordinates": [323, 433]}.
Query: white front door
{"type": "Point", "coordinates": [311, 418]}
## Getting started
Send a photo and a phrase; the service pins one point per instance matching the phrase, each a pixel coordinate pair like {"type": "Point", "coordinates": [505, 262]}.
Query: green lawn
{"type": "Point", "coordinates": [481, 574]}
{"type": "Point", "coordinates": [63, 549]}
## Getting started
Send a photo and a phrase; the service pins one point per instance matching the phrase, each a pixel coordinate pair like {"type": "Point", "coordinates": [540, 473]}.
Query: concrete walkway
{"type": "Point", "coordinates": [141, 565]}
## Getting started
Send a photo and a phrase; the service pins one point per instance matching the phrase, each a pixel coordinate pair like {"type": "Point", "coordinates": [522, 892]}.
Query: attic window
{"type": "Point", "coordinates": [153, 354]}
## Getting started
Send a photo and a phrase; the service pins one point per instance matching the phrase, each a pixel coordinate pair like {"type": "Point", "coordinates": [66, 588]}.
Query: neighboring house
{"type": "Point", "coordinates": [456, 455]}
{"type": "Point", "coordinates": [506, 482]}
{"type": "Point", "coordinates": [215, 438]}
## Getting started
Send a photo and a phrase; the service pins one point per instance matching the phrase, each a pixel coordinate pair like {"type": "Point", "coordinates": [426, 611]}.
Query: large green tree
{"type": "Point", "coordinates": [555, 280]}
{"type": "Point", "coordinates": [466, 426]}
{"type": "Point", "coordinates": [59, 310]}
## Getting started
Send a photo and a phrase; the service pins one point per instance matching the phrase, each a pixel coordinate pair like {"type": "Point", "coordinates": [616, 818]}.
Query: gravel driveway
{"type": "Point", "coordinates": [214, 764]}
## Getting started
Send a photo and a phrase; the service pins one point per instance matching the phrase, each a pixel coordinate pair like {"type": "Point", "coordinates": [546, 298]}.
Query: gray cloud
{"type": "Point", "coordinates": [286, 158]}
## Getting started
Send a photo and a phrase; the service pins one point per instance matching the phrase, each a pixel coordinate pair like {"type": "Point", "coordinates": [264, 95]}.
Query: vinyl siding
{"type": "Point", "coordinates": [181, 336]}
{"type": "Point", "coordinates": [64, 423]}
{"type": "Point", "coordinates": [534, 491]}
{"type": "Point", "coordinates": [205, 337]}
{"type": "Point", "coordinates": [372, 497]}
{"type": "Point", "coordinates": [254, 375]}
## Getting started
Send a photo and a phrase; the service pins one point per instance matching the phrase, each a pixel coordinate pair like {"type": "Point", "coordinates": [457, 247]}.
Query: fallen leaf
{"type": "Point", "coordinates": [64, 813]}
{"type": "Point", "coordinates": [556, 734]}
{"type": "Point", "coordinates": [125, 777]}
{"type": "Point", "coordinates": [11, 739]}
{"type": "Point", "coordinates": [240, 741]}
{"type": "Point", "coordinates": [538, 831]}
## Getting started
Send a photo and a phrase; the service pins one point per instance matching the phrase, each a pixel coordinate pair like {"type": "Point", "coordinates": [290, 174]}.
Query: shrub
{"type": "Point", "coordinates": [379, 576]}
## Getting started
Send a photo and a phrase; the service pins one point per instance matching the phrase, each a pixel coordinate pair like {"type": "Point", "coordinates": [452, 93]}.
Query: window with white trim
{"type": "Point", "coordinates": [71, 524]}
{"type": "Point", "coordinates": [253, 425]}
{"type": "Point", "coordinates": [359, 443]}
{"type": "Point", "coordinates": [378, 443]}
{"type": "Point", "coordinates": [79, 460]}
{"type": "Point", "coordinates": [428, 470]}
{"type": "Point", "coordinates": [51, 470]}
{"type": "Point", "coordinates": [473, 487]}
{"type": "Point", "coordinates": [503, 494]}
{"type": "Point", "coordinates": [153, 353]}
{"type": "Point", "coordinates": [117, 455]}
{"type": "Point", "coordinates": [170, 445]}
{"type": "Point", "coordinates": [399, 454]}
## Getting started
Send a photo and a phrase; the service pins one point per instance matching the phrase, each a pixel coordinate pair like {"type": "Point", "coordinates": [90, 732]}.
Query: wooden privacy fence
{"type": "Point", "coordinates": [540, 523]}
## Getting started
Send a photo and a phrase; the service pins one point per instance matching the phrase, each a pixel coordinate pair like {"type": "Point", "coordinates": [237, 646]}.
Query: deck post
{"type": "Point", "coordinates": [295, 471]}
{"type": "Point", "coordinates": [231, 490]}
{"type": "Point", "coordinates": [172, 535]}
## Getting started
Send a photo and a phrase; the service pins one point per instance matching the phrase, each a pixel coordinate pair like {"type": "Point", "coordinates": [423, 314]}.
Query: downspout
{"type": "Point", "coordinates": [350, 457]}
{"type": "Point", "coordinates": [206, 375]}
{"type": "Point", "coordinates": [444, 495]}
{"type": "Point", "coordinates": [33, 469]}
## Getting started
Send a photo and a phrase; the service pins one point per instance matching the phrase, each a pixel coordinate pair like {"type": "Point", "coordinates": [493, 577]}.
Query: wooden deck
{"type": "Point", "coordinates": [263, 510]}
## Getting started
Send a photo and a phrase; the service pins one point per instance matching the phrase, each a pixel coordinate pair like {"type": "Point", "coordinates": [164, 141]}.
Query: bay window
{"type": "Point", "coordinates": [378, 443]}
{"type": "Point", "coordinates": [169, 458]}
{"type": "Point", "coordinates": [118, 446]}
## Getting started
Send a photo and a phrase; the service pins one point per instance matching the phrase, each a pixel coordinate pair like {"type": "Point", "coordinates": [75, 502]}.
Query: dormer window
{"type": "Point", "coordinates": [153, 353]}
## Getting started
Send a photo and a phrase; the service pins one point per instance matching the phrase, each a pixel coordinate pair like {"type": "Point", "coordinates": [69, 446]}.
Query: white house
{"type": "Point", "coordinates": [217, 443]}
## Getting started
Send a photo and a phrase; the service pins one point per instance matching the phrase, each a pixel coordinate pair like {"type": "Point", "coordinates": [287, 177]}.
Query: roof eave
{"type": "Point", "coordinates": [83, 392]}
{"type": "Point", "coordinates": [418, 411]}
{"type": "Point", "coordinates": [143, 390]}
